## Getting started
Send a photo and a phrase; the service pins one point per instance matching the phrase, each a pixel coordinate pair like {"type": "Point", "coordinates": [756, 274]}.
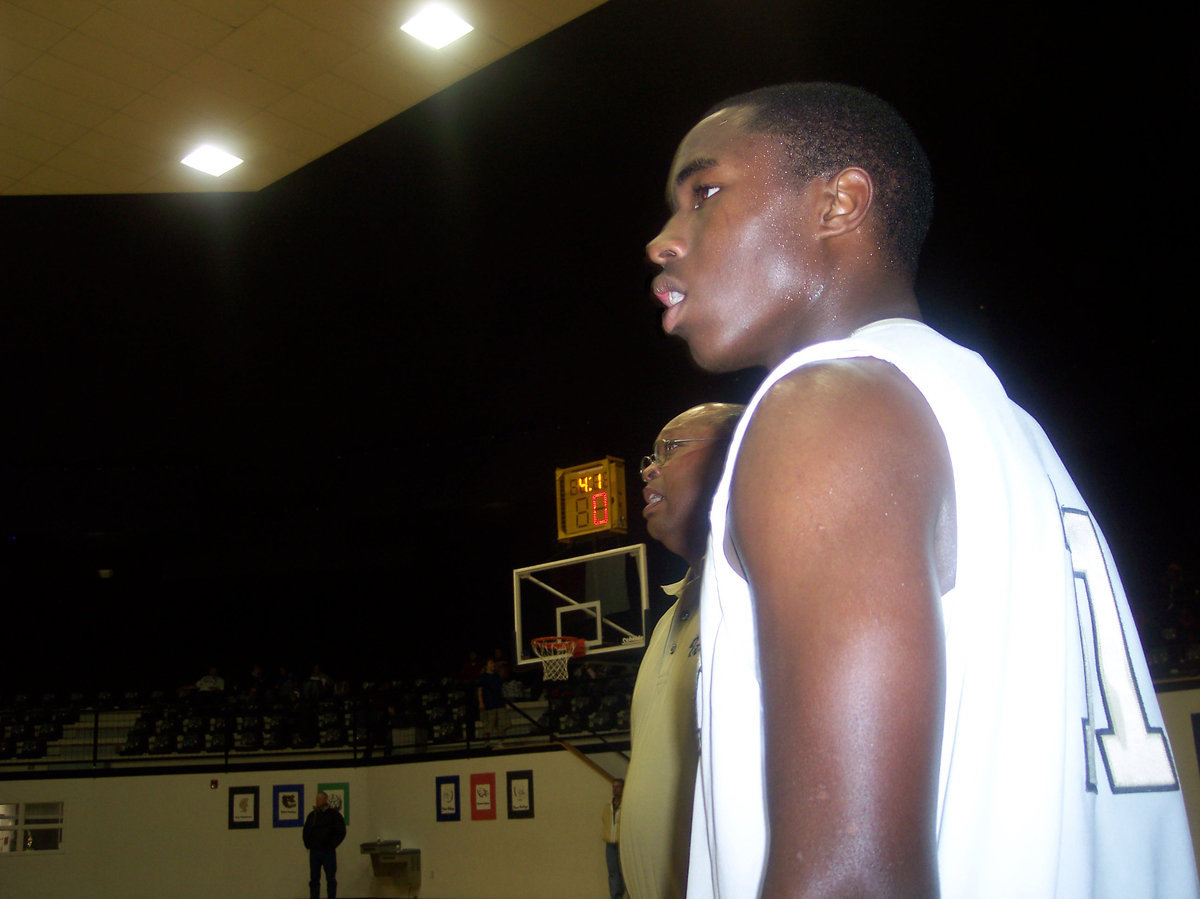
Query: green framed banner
{"type": "Point", "coordinates": [339, 797]}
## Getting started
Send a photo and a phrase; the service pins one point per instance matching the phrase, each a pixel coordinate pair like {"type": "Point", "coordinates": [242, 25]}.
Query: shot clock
{"type": "Point", "coordinates": [591, 498]}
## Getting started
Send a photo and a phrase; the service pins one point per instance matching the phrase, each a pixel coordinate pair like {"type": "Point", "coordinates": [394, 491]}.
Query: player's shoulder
{"type": "Point", "coordinates": [854, 398]}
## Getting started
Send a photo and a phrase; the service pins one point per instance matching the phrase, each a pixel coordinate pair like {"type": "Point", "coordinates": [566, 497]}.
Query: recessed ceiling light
{"type": "Point", "coordinates": [210, 159]}
{"type": "Point", "coordinates": [436, 26]}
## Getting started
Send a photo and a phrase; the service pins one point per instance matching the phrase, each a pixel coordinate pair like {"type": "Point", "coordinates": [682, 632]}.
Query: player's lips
{"type": "Point", "coordinates": [668, 291]}
{"type": "Point", "coordinates": [671, 294]}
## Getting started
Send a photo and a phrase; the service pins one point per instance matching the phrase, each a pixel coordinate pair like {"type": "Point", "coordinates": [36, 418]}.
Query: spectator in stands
{"type": "Point", "coordinates": [211, 682]}
{"type": "Point", "coordinates": [324, 830]}
{"type": "Point", "coordinates": [491, 700]}
{"type": "Point", "coordinates": [680, 476]}
{"type": "Point", "coordinates": [471, 668]}
{"type": "Point", "coordinates": [255, 686]}
{"type": "Point", "coordinates": [283, 687]}
{"type": "Point", "coordinates": [503, 668]}
{"type": "Point", "coordinates": [317, 685]}
{"type": "Point", "coordinates": [208, 688]}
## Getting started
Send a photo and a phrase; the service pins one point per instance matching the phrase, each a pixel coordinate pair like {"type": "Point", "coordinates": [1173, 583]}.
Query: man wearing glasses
{"type": "Point", "coordinates": [680, 477]}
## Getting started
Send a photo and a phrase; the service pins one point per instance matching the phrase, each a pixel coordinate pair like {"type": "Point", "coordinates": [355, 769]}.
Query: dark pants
{"type": "Point", "coordinates": [616, 883]}
{"type": "Point", "coordinates": [318, 859]}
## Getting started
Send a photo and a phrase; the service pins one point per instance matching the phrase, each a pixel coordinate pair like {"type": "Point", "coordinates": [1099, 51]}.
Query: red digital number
{"type": "Point", "coordinates": [600, 508]}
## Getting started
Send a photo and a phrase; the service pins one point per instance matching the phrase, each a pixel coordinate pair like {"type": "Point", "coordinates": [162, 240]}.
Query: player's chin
{"type": "Point", "coordinates": [711, 357]}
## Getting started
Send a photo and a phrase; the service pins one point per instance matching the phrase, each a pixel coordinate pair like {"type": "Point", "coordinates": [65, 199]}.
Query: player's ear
{"type": "Point", "coordinates": [846, 200]}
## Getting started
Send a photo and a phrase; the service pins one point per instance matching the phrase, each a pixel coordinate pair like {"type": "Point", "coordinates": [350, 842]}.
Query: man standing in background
{"type": "Point", "coordinates": [612, 840]}
{"type": "Point", "coordinates": [324, 830]}
{"type": "Point", "coordinates": [680, 477]}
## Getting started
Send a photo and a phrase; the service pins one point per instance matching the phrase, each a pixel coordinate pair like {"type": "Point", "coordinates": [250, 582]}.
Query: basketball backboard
{"type": "Point", "coordinates": [600, 597]}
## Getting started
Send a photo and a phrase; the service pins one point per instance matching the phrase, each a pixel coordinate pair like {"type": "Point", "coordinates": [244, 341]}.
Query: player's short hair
{"type": "Point", "coordinates": [827, 127]}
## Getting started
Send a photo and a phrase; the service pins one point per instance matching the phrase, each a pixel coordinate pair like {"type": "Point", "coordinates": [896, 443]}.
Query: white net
{"type": "Point", "coordinates": [555, 653]}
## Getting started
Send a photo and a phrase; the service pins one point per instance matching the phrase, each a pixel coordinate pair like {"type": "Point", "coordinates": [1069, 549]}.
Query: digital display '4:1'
{"type": "Point", "coordinates": [591, 498]}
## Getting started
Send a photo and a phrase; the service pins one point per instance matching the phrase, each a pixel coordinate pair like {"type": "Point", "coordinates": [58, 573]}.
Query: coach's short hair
{"type": "Point", "coordinates": [827, 127]}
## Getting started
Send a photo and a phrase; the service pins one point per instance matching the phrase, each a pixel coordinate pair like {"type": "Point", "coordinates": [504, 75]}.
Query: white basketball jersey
{"type": "Point", "coordinates": [1056, 775]}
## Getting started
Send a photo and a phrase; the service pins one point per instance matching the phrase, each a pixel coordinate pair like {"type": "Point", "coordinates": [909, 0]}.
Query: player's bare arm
{"type": "Point", "coordinates": [839, 510]}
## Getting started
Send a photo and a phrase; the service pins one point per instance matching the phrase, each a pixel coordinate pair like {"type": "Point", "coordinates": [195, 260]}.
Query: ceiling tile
{"type": "Point", "coordinates": [234, 80]}
{"type": "Point", "coordinates": [175, 20]}
{"type": "Point", "coordinates": [98, 171]}
{"type": "Point", "coordinates": [279, 132]}
{"type": "Point", "coordinates": [31, 120]}
{"type": "Point", "coordinates": [507, 22]}
{"type": "Point", "coordinates": [68, 13]}
{"type": "Point", "coordinates": [379, 71]}
{"type": "Point", "coordinates": [80, 82]}
{"type": "Point", "coordinates": [29, 29]}
{"type": "Point", "coordinates": [13, 167]}
{"type": "Point", "coordinates": [198, 97]}
{"type": "Point", "coordinates": [282, 48]}
{"type": "Point", "coordinates": [314, 116]}
{"type": "Point", "coordinates": [23, 144]}
{"type": "Point", "coordinates": [13, 56]}
{"type": "Point", "coordinates": [39, 95]}
{"type": "Point", "coordinates": [350, 97]}
{"type": "Point", "coordinates": [232, 12]}
{"type": "Point", "coordinates": [48, 180]}
{"type": "Point", "coordinates": [357, 27]}
{"type": "Point", "coordinates": [101, 59]}
{"type": "Point", "coordinates": [137, 40]}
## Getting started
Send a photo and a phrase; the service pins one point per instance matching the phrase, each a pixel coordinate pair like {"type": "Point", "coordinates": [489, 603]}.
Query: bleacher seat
{"type": "Point", "coordinates": [135, 744]}
{"type": "Point", "coordinates": [332, 737]}
{"type": "Point", "coordinates": [31, 749]}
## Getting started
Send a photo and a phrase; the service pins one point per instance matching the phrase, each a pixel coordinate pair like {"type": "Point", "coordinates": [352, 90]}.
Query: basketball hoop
{"type": "Point", "coordinates": [555, 652]}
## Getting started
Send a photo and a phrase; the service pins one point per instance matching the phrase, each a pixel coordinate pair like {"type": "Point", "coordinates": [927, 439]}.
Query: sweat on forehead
{"type": "Point", "coordinates": [726, 126]}
{"type": "Point", "coordinates": [822, 128]}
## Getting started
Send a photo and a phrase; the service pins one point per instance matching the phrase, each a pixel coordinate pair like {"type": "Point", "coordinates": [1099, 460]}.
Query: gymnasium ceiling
{"type": "Point", "coordinates": [106, 96]}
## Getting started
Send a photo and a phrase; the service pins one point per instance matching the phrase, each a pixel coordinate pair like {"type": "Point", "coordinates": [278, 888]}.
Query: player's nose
{"type": "Point", "coordinates": [667, 245]}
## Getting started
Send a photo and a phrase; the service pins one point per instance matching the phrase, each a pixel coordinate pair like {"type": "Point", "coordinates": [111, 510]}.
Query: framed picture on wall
{"type": "Point", "coordinates": [520, 794]}
{"type": "Point", "coordinates": [243, 808]}
{"type": "Point", "coordinates": [483, 797]}
{"type": "Point", "coordinates": [288, 805]}
{"type": "Point", "coordinates": [339, 797]}
{"type": "Point", "coordinates": [447, 798]}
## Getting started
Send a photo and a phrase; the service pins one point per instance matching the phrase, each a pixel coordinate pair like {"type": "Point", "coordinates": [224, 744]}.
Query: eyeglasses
{"type": "Point", "coordinates": [663, 449]}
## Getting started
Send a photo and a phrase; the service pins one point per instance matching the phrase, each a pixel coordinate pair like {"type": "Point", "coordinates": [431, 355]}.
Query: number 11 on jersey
{"type": "Point", "coordinates": [1135, 755]}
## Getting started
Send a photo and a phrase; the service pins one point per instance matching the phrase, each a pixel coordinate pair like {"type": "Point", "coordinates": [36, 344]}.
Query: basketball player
{"type": "Point", "coordinates": [919, 673]}
{"type": "Point", "coordinates": [680, 478]}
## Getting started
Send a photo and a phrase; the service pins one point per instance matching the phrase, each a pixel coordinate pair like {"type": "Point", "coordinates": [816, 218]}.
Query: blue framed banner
{"type": "Point", "coordinates": [288, 806]}
{"type": "Point", "coordinates": [446, 798]}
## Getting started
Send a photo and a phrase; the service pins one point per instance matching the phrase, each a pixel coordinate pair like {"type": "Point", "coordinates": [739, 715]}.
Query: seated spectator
{"type": "Point", "coordinates": [317, 685]}
{"type": "Point", "coordinates": [255, 686]}
{"type": "Point", "coordinates": [284, 687]}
